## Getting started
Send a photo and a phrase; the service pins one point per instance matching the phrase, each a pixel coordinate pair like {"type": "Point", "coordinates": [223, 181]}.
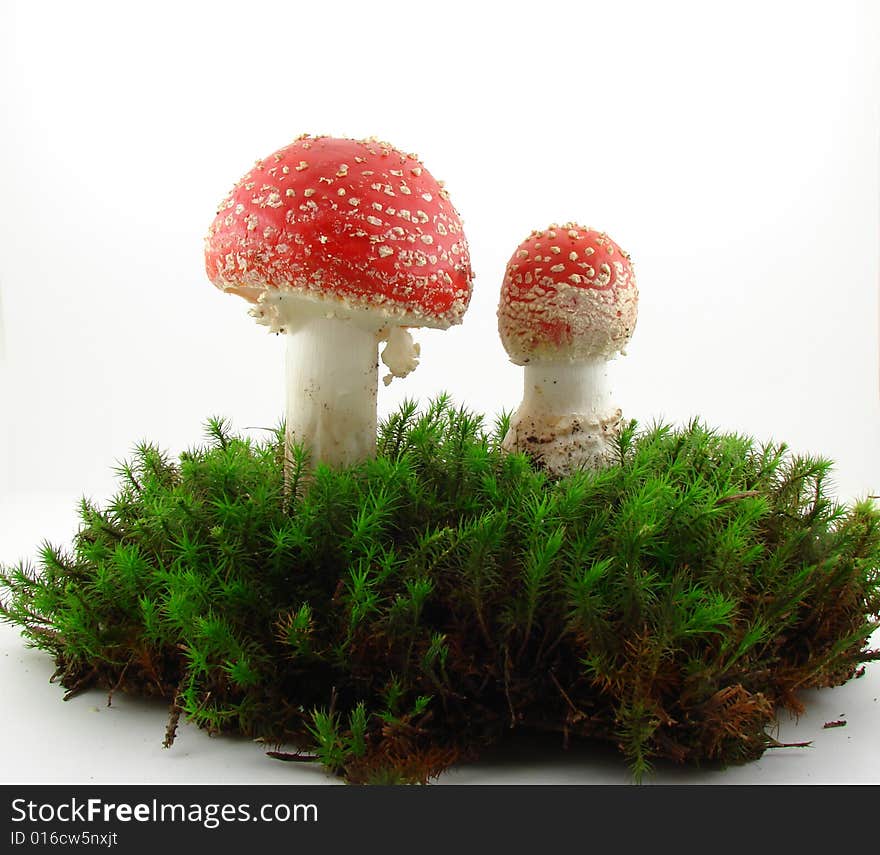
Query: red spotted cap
{"type": "Point", "coordinates": [355, 224]}
{"type": "Point", "coordinates": [569, 293]}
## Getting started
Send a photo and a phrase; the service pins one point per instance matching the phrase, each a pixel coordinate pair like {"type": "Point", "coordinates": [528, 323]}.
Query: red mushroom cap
{"type": "Point", "coordinates": [353, 222]}
{"type": "Point", "coordinates": [569, 293]}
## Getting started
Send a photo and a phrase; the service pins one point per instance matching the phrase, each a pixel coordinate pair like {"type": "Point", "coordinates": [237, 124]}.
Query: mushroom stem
{"type": "Point", "coordinates": [566, 417]}
{"type": "Point", "coordinates": [332, 379]}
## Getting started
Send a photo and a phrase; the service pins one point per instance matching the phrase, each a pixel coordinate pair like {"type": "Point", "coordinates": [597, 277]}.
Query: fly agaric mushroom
{"type": "Point", "coordinates": [568, 304]}
{"type": "Point", "coordinates": [340, 244]}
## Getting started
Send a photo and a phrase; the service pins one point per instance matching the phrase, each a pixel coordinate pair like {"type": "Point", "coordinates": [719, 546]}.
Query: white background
{"type": "Point", "coordinates": [732, 149]}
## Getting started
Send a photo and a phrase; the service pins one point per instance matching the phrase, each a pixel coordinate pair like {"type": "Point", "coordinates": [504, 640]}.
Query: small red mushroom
{"type": "Point", "coordinates": [568, 304]}
{"type": "Point", "coordinates": [340, 244]}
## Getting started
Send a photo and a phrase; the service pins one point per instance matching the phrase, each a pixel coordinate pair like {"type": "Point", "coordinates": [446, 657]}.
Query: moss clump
{"type": "Point", "coordinates": [400, 615]}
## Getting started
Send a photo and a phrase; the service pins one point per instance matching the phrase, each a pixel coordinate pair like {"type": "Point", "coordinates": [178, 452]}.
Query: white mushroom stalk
{"type": "Point", "coordinates": [331, 384]}
{"type": "Point", "coordinates": [566, 416]}
{"type": "Point", "coordinates": [331, 377]}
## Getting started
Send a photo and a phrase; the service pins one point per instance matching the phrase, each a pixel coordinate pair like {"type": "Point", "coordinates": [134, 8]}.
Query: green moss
{"type": "Point", "coordinates": [395, 617]}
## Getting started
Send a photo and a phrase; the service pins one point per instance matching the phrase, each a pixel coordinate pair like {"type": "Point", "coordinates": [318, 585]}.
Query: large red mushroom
{"type": "Point", "coordinates": [340, 244]}
{"type": "Point", "coordinates": [568, 304]}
